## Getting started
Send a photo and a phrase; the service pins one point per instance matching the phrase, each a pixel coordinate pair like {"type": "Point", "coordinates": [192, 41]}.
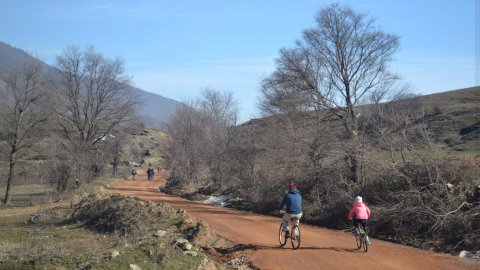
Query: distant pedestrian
{"type": "Point", "coordinates": [134, 174]}
{"type": "Point", "coordinates": [158, 169]}
{"type": "Point", "coordinates": [150, 173]}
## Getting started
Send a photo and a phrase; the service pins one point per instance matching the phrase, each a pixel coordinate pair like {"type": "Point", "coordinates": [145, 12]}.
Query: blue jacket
{"type": "Point", "coordinates": [293, 200]}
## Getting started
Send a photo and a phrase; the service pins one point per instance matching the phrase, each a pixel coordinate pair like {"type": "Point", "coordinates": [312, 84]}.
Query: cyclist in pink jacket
{"type": "Point", "coordinates": [360, 214]}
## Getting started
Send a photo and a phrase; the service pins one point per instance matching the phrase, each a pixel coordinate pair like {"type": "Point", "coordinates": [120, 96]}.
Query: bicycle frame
{"type": "Point", "coordinates": [361, 239]}
{"type": "Point", "coordinates": [294, 235]}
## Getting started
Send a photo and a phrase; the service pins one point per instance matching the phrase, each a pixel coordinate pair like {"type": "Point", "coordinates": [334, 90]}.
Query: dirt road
{"type": "Point", "coordinates": [320, 248]}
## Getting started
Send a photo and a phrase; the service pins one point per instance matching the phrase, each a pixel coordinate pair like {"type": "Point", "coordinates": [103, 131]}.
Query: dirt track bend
{"type": "Point", "coordinates": [320, 248]}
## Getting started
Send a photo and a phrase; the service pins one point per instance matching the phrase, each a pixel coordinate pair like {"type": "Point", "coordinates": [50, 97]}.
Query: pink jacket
{"type": "Point", "coordinates": [360, 210]}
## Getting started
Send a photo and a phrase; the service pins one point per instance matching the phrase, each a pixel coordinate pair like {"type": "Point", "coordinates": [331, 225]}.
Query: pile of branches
{"type": "Point", "coordinates": [117, 214]}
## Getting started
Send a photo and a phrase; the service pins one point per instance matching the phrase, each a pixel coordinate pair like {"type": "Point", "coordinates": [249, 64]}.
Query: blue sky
{"type": "Point", "coordinates": [177, 48]}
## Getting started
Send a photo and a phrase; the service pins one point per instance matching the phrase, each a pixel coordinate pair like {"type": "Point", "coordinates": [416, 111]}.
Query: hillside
{"type": "Point", "coordinates": [155, 111]}
{"type": "Point", "coordinates": [453, 118]}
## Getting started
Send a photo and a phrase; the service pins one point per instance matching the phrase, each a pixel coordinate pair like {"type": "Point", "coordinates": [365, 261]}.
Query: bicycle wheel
{"type": "Point", "coordinates": [364, 243]}
{"type": "Point", "coordinates": [295, 237]}
{"type": "Point", "coordinates": [282, 236]}
{"type": "Point", "coordinates": [358, 239]}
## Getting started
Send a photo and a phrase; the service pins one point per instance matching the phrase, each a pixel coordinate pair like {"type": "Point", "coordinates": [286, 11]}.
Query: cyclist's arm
{"type": "Point", "coordinates": [350, 214]}
{"type": "Point", "coordinates": [282, 204]}
{"type": "Point", "coordinates": [368, 211]}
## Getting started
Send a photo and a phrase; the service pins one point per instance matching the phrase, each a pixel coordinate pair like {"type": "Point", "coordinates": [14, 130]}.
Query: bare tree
{"type": "Point", "coordinates": [333, 68]}
{"type": "Point", "coordinates": [183, 154]}
{"type": "Point", "coordinates": [220, 118]}
{"type": "Point", "coordinates": [201, 134]}
{"type": "Point", "coordinates": [26, 105]}
{"type": "Point", "coordinates": [96, 100]}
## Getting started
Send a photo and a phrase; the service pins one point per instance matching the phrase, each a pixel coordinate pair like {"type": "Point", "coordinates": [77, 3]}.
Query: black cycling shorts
{"type": "Point", "coordinates": [362, 222]}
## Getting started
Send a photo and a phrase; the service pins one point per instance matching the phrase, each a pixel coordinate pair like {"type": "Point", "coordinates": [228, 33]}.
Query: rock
{"type": "Point", "coordinates": [181, 241]}
{"type": "Point", "coordinates": [160, 233]}
{"type": "Point", "coordinates": [465, 254]}
{"type": "Point", "coordinates": [135, 267]}
{"type": "Point", "coordinates": [239, 263]}
{"type": "Point", "coordinates": [187, 246]}
{"type": "Point", "coordinates": [114, 254]}
{"type": "Point", "coordinates": [183, 244]}
{"type": "Point", "coordinates": [190, 253]}
{"type": "Point", "coordinates": [207, 265]}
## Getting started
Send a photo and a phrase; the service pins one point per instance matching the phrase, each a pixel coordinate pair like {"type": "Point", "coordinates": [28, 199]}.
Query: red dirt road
{"type": "Point", "coordinates": [320, 248]}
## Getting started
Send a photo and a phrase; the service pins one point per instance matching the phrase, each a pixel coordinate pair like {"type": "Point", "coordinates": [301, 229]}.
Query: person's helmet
{"type": "Point", "coordinates": [292, 186]}
{"type": "Point", "coordinates": [358, 199]}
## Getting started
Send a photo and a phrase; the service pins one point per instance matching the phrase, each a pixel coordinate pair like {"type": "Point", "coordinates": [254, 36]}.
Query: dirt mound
{"type": "Point", "coordinates": [201, 234]}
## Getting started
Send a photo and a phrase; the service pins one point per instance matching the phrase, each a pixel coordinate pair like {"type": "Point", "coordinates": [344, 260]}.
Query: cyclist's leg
{"type": "Point", "coordinates": [364, 224]}
{"type": "Point", "coordinates": [285, 218]}
{"type": "Point", "coordinates": [297, 217]}
{"type": "Point", "coordinates": [355, 225]}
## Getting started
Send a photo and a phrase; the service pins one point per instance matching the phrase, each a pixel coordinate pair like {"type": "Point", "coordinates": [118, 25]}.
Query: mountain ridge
{"type": "Point", "coordinates": [155, 110]}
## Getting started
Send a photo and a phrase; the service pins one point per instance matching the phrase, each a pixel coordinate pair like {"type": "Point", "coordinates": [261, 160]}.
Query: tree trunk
{"type": "Point", "coordinates": [351, 124]}
{"type": "Point", "coordinates": [354, 166]}
{"type": "Point", "coordinates": [115, 167]}
{"type": "Point", "coordinates": [7, 198]}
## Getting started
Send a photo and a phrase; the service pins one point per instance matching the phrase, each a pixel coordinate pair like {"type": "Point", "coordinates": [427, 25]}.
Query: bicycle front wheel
{"type": "Point", "coordinates": [295, 237]}
{"type": "Point", "coordinates": [282, 236]}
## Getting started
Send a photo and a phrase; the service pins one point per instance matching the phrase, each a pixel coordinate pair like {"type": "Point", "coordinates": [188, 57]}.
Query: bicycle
{"type": "Point", "coordinates": [362, 238]}
{"type": "Point", "coordinates": [294, 234]}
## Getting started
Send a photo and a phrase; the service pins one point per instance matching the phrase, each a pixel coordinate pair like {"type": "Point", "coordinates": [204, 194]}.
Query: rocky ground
{"type": "Point", "coordinates": [103, 231]}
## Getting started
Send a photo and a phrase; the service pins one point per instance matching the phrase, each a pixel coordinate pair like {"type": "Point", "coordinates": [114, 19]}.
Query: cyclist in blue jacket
{"type": "Point", "coordinates": [293, 201]}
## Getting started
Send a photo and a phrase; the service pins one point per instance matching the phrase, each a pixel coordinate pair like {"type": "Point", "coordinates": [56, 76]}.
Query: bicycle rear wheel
{"type": "Point", "coordinates": [358, 239]}
{"type": "Point", "coordinates": [364, 243]}
{"type": "Point", "coordinates": [282, 236]}
{"type": "Point", "coordinates": [295, 237]}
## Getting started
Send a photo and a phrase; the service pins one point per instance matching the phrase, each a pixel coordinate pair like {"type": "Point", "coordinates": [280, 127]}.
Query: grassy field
{"type": "Point", "coordinates": [28, 195]}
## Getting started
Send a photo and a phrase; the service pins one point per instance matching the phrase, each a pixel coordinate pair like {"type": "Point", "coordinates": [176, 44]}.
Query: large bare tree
{"type": "Point", "coordinates": [25, 106]}
{"type": "Point", "coordinates": [334, 67]}
{"type": "Point", "coordinates": [97, 99]}
{"type": "Point", "coordinates": [201, 133]}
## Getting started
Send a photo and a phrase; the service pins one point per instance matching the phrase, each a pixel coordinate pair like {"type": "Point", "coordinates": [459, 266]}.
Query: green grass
{"type": "Point", "coordinates": [179, 261]}
{"type": "Point", "coordinates": [95, 185]}
{"type": "Point", "coordinates": [169, 222]}
{"type": "Point", "coordinates": [26, 195]}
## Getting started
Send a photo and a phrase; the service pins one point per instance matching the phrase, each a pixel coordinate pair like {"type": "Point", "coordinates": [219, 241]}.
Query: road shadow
{"type": "Point", "coordinates": [242, 247]}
